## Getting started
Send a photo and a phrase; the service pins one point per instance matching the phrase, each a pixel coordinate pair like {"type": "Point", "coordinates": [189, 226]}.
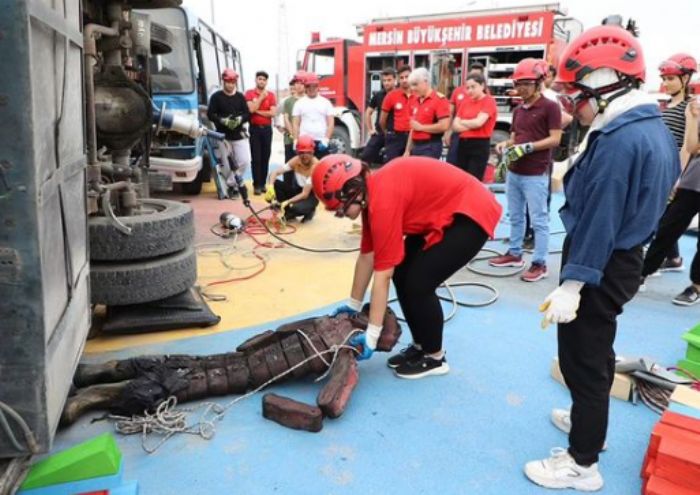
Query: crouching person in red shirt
{"type": "Point", "coordinates": [421, 222]}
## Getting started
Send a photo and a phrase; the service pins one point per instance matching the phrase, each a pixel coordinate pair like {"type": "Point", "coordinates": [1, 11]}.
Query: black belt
{"type": "Point", "coordinates": [398, 133]}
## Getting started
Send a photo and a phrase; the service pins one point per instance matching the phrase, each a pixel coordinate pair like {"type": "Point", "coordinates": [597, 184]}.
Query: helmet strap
{"type": "Point", "coordinates": [602, 102]}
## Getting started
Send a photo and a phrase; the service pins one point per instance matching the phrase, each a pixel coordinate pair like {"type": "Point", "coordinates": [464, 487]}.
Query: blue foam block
{"type": "Point", "coordinates": [82, 486]}
{"type": "Point", "coordinates": [684, 410]}
{"type": "Point", "coordinates": [129, 488]}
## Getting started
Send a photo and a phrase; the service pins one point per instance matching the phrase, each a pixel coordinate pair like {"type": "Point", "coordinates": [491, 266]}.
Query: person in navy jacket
{"type": "Point", "coordinates": [616, 192]}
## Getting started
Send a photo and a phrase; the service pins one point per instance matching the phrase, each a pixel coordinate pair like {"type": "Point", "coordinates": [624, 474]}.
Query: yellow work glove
{"type": "Point", "coordinates": [270, 195]}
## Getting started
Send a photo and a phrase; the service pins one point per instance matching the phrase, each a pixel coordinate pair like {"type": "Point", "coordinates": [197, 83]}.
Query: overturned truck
{"type": "Point", "coordinates": [77, 226]}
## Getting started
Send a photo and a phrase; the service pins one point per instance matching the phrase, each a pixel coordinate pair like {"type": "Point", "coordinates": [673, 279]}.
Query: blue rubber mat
{"type": "Point", "coordinates": [468, 432]}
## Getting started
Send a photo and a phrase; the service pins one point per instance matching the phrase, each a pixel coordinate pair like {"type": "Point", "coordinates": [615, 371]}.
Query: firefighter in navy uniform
{"type": "Point", "coordinates": [615, 193]}
{"type": "Point", "coordinates": [421, 222]}
{"type": "Point", "coordinates": [394, 120]}
{"type": "Point", "coordinates": [430, 117]}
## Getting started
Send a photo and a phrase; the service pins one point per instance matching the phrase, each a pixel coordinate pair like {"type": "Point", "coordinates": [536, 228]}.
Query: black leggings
{"type": "Point", "coordinates": [421, 272]}
{"type": "Point", "coordinates": [473, 156]}
{"type": "Point", "coordinates": [675, 220]}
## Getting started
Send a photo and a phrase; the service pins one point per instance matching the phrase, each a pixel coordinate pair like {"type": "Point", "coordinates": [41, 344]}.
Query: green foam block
{"type": "Point", "coordinates": [692, 336]}
{"type": "Point", "coordinates": [95, 458]}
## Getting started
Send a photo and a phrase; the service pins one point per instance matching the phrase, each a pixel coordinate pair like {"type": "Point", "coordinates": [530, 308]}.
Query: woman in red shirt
{"type": "Point", "coordinates": [475, 121]}
{"type": "Point", "coordinates": [421, 222]}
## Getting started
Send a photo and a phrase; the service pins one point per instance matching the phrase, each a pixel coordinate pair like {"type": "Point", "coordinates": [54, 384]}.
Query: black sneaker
{"type": "Point", "coordinates": [406, 354]}
{"type": "Point", "coordinates": [672, 265]}
{"type": "Point", "coordinates": [688, 297]}
{"type": "Point", "coordinates": [422, 367]}
{"type": "Point", "coordinates": [309, 216]}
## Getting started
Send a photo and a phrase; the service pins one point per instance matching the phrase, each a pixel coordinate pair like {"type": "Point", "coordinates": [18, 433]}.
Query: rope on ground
{"type": "Point", "coordinates": [169, 420]}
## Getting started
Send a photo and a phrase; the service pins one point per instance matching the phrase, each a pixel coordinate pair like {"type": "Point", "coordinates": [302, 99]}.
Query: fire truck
{"type": "Point", "coordinates": [447, 45]}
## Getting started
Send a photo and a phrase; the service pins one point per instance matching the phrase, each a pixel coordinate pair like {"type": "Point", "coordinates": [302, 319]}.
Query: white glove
{"type": "Point", "coordinates": [324, 141]}
{"type": "Point", "coordinates": [561, 304]}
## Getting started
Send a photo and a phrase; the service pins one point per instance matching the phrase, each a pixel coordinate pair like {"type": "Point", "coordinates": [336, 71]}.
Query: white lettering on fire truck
{"type": "Point", "coordinates": [458, 33]}
{"type": "Point", "coordinates": [379, 38]}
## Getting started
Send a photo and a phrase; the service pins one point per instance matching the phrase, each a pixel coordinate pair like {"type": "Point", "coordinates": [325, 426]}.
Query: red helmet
{"type": "Point", "coordinates": [530, 69]}
{"type": "Point", "coordinates": [329, 177]}
{"type": "Point", "coordinates": [299, 76]}
{"type": "Point", "coordinates": [310, 78]}
{"type": "Point", "coordinates": [607, 46]}
{"type": "Point", "coordinates": [678, 65]}
{"type": "Point", "coordinates": [305, 144]}
{"type": "Point", "coordinates": [229, 75]}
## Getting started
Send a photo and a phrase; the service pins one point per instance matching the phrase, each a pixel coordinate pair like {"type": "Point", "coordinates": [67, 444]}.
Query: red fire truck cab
{"type": "Point", "coordinates": [447, 45]}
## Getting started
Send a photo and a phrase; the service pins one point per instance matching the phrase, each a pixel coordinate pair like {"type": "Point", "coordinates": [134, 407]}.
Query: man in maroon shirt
{"type": "Point", "coordinates": [535, 131]}
{"type": "Point", "coordinates": [396, 105]}
{"type": "Point", "coordinates": [430, 117]}
{"type": "Point", "coordinates": [263, 106]}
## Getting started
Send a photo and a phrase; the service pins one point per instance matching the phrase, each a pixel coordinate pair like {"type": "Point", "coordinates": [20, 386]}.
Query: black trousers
{"type": "Point", "coordinates": [420, 273]}
{"type": "Point", "coordinates": [288, 188]}
{"type": "Point", "coordinates": [289, 152]}
{"type": "Point", "coordinates": [586, 354]}
{"type": "Point", "coordinates": [431, 148]}
{"type": "Point", "coordinates": [473, 156]}
{"type": "Point", "coordinates": [453, 152]}
{"type": "Point", "coordinates": [372, 153]}
{"type": "Point", "coordinates": [674, 222]}
{"type": "Point", "coordinates": [260, 148]}
{"type": "Point", "coordinates": [394, 145]}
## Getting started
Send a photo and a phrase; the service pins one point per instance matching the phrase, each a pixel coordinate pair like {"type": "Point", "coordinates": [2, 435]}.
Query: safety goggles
{"type": "Point", "coordinates": [572, 100]}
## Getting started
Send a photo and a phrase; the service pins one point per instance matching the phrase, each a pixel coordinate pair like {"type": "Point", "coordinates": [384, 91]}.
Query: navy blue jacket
{"type": "Point", "coordinates": [617, 190]}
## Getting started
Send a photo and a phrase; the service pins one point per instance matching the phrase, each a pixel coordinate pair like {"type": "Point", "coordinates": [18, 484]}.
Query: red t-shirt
{"type": "Point", "coordinates": [458, 96]}
{"type": "Point", "coordinates": [428, 111]}
{"type": "Point", "coordinates": [471, 108]}
{"type": "Point", "coordinates": [398, 102]}
{"type": "Point", "coordinates": [420, 195]}
{"type": "Point", "coordinates": [269, 102]}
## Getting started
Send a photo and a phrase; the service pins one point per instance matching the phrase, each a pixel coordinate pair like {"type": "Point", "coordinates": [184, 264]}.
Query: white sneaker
{"type": "Point", "coordinates": [561, 418]}
{"type": "Point", "coordinates": [561, 471]}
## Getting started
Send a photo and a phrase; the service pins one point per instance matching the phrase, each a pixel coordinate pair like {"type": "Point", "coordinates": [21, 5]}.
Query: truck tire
{"type": "Point", "coordinates": [116, 284]}
{"type": "Point", "coordinates": [168, 228]}
{"type": "Point", "coordinates": [340, 141]}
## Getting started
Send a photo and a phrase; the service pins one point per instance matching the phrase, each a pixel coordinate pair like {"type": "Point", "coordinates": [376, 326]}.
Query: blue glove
{"type": "Point", "coordinates": [351, 308]}
{"type": "Point", "coordinates": [322, 145]}
{"type": "Point", "coordinates": [359, 341]}
{"type": "Point", "coordinates": [344, 309]}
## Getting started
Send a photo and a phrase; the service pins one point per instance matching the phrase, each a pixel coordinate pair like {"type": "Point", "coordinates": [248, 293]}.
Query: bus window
{"type": "Point", "coordinates": [323, 62]}
{"type": "Point", "coordinates": [211, 68]}
{"type": "Point", "coordinates": [172, 72]}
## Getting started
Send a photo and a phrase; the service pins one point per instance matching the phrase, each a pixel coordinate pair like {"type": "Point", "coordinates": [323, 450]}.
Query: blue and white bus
{"type": "Point", "coordinates": [183, 80]}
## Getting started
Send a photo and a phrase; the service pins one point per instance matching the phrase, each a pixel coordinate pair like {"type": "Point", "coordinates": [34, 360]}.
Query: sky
{"type": "Point", "coordinates": [270, 32]}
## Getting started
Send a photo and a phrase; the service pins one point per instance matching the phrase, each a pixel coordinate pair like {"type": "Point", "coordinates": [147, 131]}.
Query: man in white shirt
{"type": "Point", "coordinates": [313, 116]}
